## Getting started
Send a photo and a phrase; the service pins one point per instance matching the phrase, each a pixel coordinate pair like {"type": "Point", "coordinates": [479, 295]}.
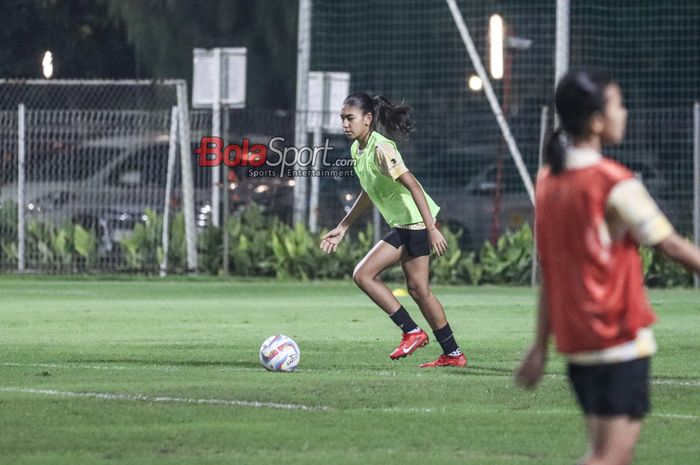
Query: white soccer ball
{"type": "Point", "coordinates": [279, 353]}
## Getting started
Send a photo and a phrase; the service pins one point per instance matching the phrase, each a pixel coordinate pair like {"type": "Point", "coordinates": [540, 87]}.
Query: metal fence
{"type": "Point", "coordinates": [84, 163]}
{"type": "Point", "coordinates": [413, 52]}
{"type": "Point", "coordinates": [101, 157]}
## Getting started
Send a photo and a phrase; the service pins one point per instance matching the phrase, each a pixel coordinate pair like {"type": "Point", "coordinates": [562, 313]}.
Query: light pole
{"type": "Point", "coordinates": [501, 63]}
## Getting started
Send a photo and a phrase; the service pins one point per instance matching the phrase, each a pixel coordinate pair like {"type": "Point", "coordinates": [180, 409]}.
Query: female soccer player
{"type": "Point", "coordinates": [387, 183]}
{"type": "Point", "coordinates": [591, 215]}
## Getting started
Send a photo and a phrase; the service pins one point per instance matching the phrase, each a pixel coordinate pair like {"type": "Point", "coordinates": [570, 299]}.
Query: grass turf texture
{"type": "Point", "coordinates": [199, 339]}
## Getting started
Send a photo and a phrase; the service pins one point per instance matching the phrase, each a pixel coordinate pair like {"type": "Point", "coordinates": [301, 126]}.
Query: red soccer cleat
{"type": "Point", "coordinates": [447, 361]}
{"type": "Point", "coordinates": [410, 342]}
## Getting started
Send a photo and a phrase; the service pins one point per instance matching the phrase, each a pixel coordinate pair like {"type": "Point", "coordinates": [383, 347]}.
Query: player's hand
{"type": "Point", "coordinates": [330, 241]}
{"type": "Point", "coordinates": [437, 241]}
{"type": "Point", "coordinates": [531, 368]}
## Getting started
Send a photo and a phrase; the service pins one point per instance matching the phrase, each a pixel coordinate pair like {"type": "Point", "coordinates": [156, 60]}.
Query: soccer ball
{"type": "Point", "coordinates": [279, 353]}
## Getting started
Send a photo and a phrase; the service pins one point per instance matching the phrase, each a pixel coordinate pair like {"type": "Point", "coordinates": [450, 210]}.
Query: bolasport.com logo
{"type": "Point", "coordinates": [274, 159]}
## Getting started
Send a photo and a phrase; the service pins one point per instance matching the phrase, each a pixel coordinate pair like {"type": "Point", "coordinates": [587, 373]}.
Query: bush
{"type": "Point", "coordinates": [261, 245]}
{"type": "Point", "coordinates": [68, 247]}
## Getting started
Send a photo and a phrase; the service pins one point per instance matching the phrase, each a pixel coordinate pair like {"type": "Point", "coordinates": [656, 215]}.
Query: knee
{"type": "Point", "coordinates": [361, 277]}
{"type": "Point", "coordinates": [418, 291]}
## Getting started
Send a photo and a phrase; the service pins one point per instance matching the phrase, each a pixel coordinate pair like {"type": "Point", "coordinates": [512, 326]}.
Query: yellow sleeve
{"type": "Point", "coordinates": [389, 161]}
{"type": "Point", "coordinates": [638, 211]}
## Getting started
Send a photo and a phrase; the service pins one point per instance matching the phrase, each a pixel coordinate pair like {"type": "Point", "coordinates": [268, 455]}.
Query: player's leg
{"type": "Point", "coordinates": [366, 275]}
{"type": "Point", "coordinates": [614, 398]}
{"type": "Point", "coordinates": [612, 439]}
{"type": "Point", "coordinates": [417, 272]}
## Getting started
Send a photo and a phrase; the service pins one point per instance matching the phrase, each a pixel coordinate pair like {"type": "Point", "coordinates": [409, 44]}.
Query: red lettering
{"type": "Point", "coordinates": [258, 156]}
{"type": "Point", "coordinates": [208, 147]}
{"type": "Point", "coordinates": [246, 153]}
{"type": "Point", "coordinates": [228, 161]}
{"type": "Point", "coordinates": [210, 153]}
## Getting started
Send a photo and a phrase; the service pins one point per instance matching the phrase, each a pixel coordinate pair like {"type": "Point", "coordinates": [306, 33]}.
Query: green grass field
{"type": "Point", "coordinates": [166, 372]}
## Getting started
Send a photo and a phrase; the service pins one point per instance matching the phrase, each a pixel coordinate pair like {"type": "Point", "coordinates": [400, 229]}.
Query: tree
{"type": "Point", "coordinates": [164, 32]}
{"type": "Point", "coordinates": [84, 40]}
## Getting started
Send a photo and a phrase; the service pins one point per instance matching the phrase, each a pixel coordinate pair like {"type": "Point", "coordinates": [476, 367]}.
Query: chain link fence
{"type": "Point", "coordinates": [414, 54]}
{"type": "Point", "coordinates": [99, 174]}
{"type": "Point", "coordinates": [83, 166]}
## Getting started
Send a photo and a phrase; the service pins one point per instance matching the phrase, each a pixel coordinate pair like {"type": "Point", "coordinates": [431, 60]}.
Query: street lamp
{"type": "Point", "coordinates": [496, 39]}
{"type": "Point", "coordinates": [475, 83]}
{"type": "Point", "coordinates": [47, 65]}
{"type": "Point", "coordinates": [500, 64]}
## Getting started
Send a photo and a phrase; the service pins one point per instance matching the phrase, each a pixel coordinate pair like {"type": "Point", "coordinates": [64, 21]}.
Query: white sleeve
{"type": "Point", "coordinates": [638, 211]}
{"type": "Point", "coordinates": [389, 161]}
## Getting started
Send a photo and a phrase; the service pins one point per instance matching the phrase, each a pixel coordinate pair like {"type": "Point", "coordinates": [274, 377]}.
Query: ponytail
{"type": "Point", "coordinates": [579, 95]}
{"type": "Point", "coordinates": [393, 121]}
{"type": "Point", "coordinates": [555, 152]}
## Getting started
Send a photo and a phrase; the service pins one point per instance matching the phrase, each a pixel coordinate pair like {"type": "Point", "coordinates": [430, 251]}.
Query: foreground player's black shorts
{"type": "Point", "coordinates": [415, 240]}
{"type": "Point", "coordinates": [612, 389]}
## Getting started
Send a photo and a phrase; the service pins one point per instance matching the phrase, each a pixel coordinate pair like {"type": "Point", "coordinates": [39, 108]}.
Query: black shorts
{"type": "Point", "coordinates": [612, 389]}
{"type": "Point", "coordinates": [415, 240]}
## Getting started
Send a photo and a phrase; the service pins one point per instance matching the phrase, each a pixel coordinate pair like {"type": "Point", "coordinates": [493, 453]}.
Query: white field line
{"type": "Point", "coordinates": [165, 367]}
{"type": "Point", "coordinates": [165, 399]}
{"type": "Point", "coordinates": [278, 406]}
{"type": "Point", "coordinates": [653, 381]}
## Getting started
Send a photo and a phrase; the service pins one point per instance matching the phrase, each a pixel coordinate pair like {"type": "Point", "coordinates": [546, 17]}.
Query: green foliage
{"type": "Point", "coordinates": [8, 239]}
{"type": "Point", "coordinates": [509, 261]}
{"type": "Point", "coordinates": [262, 245]}
{"type": "Point", "coordinates": [84, 241]}
{"type": "Point", "coordinates": [63, 248]}
{"type": "Point", "coordinates": [449, 268]}
{"type": "Point", "coordinates": [143, 247]}
{"type": "Point", "coordinates": [659, 271]}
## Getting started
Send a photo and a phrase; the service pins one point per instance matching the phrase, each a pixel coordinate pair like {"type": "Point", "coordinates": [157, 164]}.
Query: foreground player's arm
{"type": "Point", "coordinates": [531, 368]}
{"type": "Point", "coordinates": [681, 251]}
{"type": "Point", "coordinates": [631, 201]}
{"type": "Point", "coordinates": [330, 241]}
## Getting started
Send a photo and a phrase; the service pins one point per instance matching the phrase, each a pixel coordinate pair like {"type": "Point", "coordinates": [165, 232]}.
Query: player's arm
{"type": "Point", "coordinates": [532, 366]}
{"type": "Point", "coordinates": [437, 241]}
{"type": "Point", "coordinates": [681, 251]}
{"type": "Point", "coordinates": [361, 205]}
{"type": "Point", "coordinates": [648, 225]}
{"type": "Point", "coordinates": [330, 241]}
{"type": "Point", "coordinates": [391, 164]}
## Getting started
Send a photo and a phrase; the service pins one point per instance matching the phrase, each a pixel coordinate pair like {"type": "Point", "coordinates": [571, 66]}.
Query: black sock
{"type": "Point", "coordinates": [403, 320]}
{"type": "Point", "coordinates": [447, 341]}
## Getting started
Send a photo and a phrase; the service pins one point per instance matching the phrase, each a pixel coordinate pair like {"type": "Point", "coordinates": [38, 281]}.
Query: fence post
{"type": "Point", "coordinates": [187, 182]}
{"type": "Point", "coordinates": [21, 184]}
{"type": "Point", "coordinates": [561, 47]}
{"type": "Point", "coordinates": [540, 158]}
{"type": "Point", "coordinates": [303, 60]}
{"type": "Point", "coordinates": [172, 153]}
{"type": "Point", "coordinates": [225, 202]}
{"type": "Point", "coordinates": [492, 99]}
{"type": "Point", "coordinates": [696, 182]}
{"type": "Point", "coordinates": [315, 181]}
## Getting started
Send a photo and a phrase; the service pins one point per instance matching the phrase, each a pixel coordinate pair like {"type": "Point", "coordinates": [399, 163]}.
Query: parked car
{"type": "Point", "coordinates": [105, 184]}
{"type": "Point", "coordinates": [472, 206]}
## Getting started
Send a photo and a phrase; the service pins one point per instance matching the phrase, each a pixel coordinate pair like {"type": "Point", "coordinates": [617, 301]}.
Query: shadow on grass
{"type": "Point", "coordinates": [481, 370]}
